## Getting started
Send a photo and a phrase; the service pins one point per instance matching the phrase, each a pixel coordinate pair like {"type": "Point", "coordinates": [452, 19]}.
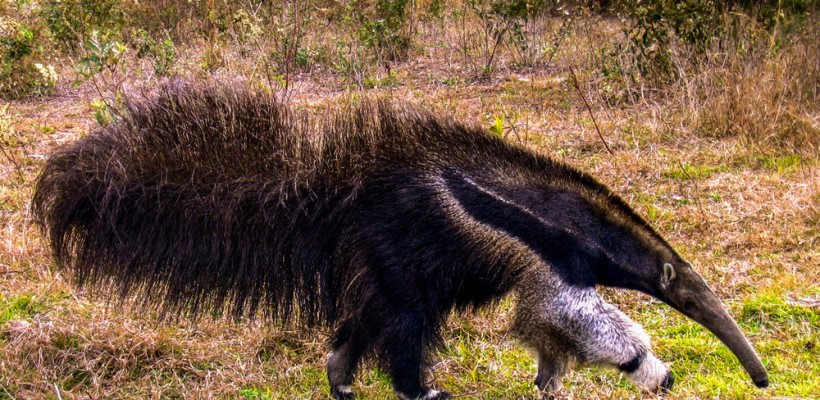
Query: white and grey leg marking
{"type": "Point", "coordinates": [603, 334]}
{"type": "Point", "coordinates": [342, 392]}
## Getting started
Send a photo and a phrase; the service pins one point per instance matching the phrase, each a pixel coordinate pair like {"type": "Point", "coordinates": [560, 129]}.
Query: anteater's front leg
{"type": "Point", "coordinates": [603, 334]}
{"type": "Point", "coordinates": [553, 361]}
{"type": "Point", "coordinates": [535, 325]}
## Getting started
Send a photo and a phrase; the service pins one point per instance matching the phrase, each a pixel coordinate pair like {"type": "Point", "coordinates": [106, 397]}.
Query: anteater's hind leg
{"type": "Point", "coordinates": [349, 343]}
{"type": "Point", "coordinates": [403, 351]}
{"type": "Point", "coordinates": [398, 341]}
{"type": "Point", "coordinates": [602, 334]}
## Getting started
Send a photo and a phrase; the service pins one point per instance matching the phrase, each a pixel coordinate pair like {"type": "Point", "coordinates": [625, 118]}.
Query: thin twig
{"type": "Point", "coordinates": [11, 271]}
{"type": "Point", "coordinates": [586, 103]}
{"type": "Point", "coordinates": [515, 132]}
{"type": "Point", "coordinates": [290, 52]}
{"type": "Point", "coordinates": [14, 162]}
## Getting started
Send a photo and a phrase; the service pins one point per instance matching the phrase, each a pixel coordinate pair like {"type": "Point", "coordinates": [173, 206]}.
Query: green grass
{"type": "Point", "coordinates": [784, 334]}
{"type": "Point", "coordinates": [475, 363]}
{"type": "Point", "coordinates": [492, 366]}
{"type": "Point", "coordinates": [783, 164]}
{"type": "Point", "coordinates": [688, 171]}
{"type": "Point", "coordinates": [21, 307]}
{"type": "Point", "coordinates": [254, 393]}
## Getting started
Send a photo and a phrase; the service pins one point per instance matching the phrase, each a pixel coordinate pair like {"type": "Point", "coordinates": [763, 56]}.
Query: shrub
{"type": "Point", "coordinates": [20, 50]}
{"type": "Point", "coordinates": [770, 100]}
{"type": "Point", "coordinates": [655, 26]}
{"type": "Point", "coordinates": [501, 21]}
{"type": "Point", "coordinates": [536, 34]}
{"type": "Point", "coordinates": [161, 53]}
{"type": "Point", "coordinates": [102, 54]}
{"type": "Point", "coordinates": [71, 21]}
{"type": "Point", "coordinates": [384, 28]}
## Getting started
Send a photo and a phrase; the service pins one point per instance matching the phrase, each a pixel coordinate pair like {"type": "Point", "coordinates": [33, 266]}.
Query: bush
{"type": "Point", "coordinates": [20, 50]}
{"type": "Point", "coordinates": [71, 21]}
{"type": "Point", "coordinates": [499, 22]}
{"type": "Point", "coordinates": [384, 28]}
{"type": "Point", "coordinates": [161, 53]}
{"type": "Point", "coordinates": [655, 26]}
{"type": "Point", "coordinates": [667, 41]}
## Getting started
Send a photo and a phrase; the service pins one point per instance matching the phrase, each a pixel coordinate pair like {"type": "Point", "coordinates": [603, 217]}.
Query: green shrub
{"type": "Point", "coordinates": [102, 54]}
{"type": "Point", "coordinates": [71, 21]}
{"type": "Point", "coordinates": [20, 50]}
{"type": "Point", "coordinates": [351, 62]}
{"type": "Point", "coordinates": [384, 28]}
{"type": "Point", "coordinates": [287, 37]}
{"type": "Point", "coordinates": [161, 53]}
{"type": "Point", "coordinates": [656, 25]}
{"type": "Point", "coordinates": [500, 21]}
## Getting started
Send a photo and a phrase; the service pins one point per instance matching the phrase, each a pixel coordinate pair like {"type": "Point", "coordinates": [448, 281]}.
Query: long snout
{"type": "Point", "coordinates": [717, 319]}
{"type": "Point", "coordinates": [698, 302]}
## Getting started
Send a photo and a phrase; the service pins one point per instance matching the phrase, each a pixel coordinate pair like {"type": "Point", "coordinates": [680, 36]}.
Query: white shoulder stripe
{"type": "Point", "coordinates": [440, 181]}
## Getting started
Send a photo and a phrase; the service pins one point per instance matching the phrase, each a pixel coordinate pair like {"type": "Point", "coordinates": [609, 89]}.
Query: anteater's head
{"type": "Point", "coordinates": [646, 262]}
{"type": "Point", "coordinates": [643, 260]}
{"type": "Point", "coordinates": [678, 285]}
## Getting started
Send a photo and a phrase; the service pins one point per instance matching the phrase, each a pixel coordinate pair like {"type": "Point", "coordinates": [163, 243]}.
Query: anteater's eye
{"type": "Point", "coordinates": [688, 305]}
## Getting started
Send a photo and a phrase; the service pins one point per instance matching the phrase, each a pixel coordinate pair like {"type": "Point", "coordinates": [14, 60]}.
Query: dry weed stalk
{"type": "Point", "coordinates": [768, 97]}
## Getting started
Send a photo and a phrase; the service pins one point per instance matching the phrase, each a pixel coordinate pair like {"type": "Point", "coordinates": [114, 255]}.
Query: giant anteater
{"type": "Point", "coordinates": [376, 221]}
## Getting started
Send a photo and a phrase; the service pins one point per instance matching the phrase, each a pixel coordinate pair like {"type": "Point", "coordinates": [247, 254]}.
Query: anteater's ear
{"type": "Point", "coordinates": [668, 275]}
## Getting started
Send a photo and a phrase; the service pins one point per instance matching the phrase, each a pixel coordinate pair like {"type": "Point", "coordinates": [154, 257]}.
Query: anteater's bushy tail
{"type": "Point", "coordinates": [199, 199]}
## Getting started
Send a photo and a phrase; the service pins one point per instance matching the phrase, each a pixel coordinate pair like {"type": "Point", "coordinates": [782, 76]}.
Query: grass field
{"type": "Point", "coordinates": [728, 174]}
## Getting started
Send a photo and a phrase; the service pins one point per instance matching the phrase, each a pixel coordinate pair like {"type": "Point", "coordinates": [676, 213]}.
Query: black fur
{"type": "Point", "coordinates": [224, 201]}
{"type": "Point", "coordinates": [632, 365]}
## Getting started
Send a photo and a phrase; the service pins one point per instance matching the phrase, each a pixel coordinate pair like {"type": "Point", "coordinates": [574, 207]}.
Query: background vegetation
{"type": "Point", "coordinates": [703, 114]}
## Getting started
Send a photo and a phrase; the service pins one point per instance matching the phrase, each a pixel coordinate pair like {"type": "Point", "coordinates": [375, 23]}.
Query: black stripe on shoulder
{"type": "Point", "coordinates": [572, 258]}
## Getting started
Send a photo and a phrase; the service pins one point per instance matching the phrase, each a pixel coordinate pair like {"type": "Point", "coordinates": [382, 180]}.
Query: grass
{"type": "Point", "coordinates": [731, 184]}
{"type": "Point", "coordinates": [709, 367]}
{"type": "Point", "coordinates": [783, 163]}
{"type": "Point", "coordinates": [687, 171]}
{"type": "Point", "coordinates": [19, 308]}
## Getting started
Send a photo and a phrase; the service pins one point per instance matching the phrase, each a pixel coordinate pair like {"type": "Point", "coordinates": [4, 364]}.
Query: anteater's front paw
{"type": "Point", "coordinates": [652, 375]}
{"type": "Point", "coordinates": [666, 383]}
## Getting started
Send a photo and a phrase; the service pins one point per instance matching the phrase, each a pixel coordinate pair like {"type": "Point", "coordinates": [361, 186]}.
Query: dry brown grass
{"type": "Point", "coordinates": [710, 164]}
{"type": "Point", "coordinates": [769, 102]}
